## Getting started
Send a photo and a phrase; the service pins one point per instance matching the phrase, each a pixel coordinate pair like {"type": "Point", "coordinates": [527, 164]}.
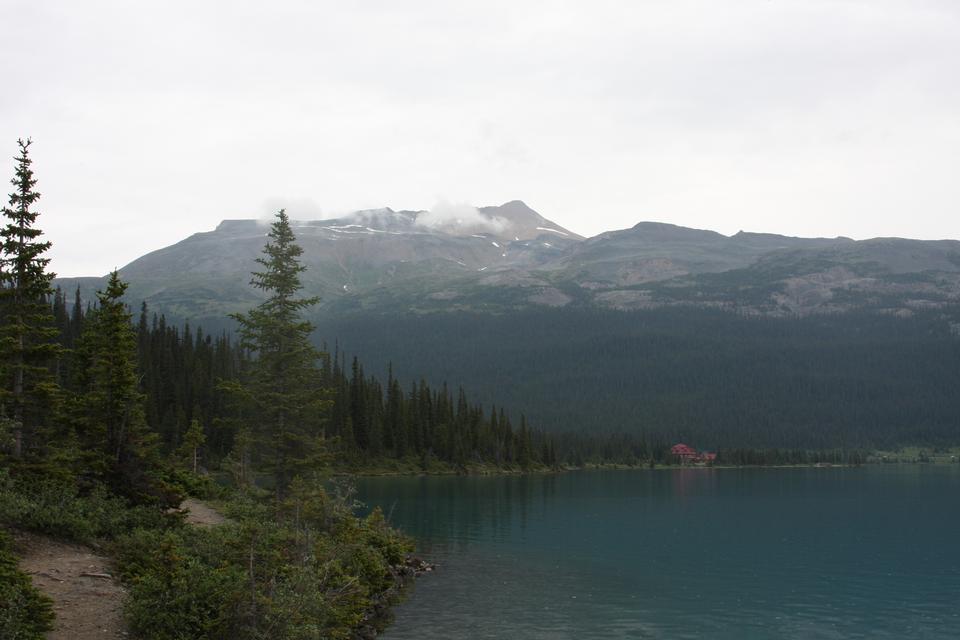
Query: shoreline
{"type": "Point", "coordinates": [413, 466]}
{"type": "Point", "coordinates": [379, 614]}
{"type": "Point", "coordinates": [470, 473]}
{"type": "Point", "coordinates": [490, 472]}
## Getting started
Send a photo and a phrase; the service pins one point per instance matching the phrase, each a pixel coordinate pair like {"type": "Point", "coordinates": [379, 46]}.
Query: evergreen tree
{"type": "Point", "coordinates": [524, 446]}
{"type": "Point", "coordinates": [109, 412]}
{"type": "Point", "coordinates": [284, 380]}
{"type": "Point", "coordinates": [76, 320]}
{"type": "Point", "coordinates": [193, 439]}
{"type": "Point", "coordinates": [27, 327]}
{"type": "Point", "coordinates": [397, 440]}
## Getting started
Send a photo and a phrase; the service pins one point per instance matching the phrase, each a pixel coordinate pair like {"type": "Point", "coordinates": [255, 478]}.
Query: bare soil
{"type": "Point", "coordinates": [201, 515]}
{"type": "Point", "coordinates": [87, 598]}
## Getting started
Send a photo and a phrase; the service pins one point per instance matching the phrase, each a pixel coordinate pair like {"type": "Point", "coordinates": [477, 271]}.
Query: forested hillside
{"type": "Point", "coordinates": [658, 331]}
{"type": "Point", "coordinates": [185, 375]}
{"type": "Point", "coordinates": [395, 383]}
{"type": "Point", "coordinates": [711, 377]}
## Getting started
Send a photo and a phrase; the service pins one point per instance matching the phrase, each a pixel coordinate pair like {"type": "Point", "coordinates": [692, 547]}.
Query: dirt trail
{"type": "Point", "coordinates": [87, 599]}
{"type": "Point", "coordinates": [201, 515]}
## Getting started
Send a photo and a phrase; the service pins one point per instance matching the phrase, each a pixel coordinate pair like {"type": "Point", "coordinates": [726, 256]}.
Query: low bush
{"type": "Point", "coordinates": [311, 569]}
{"type": "Point", "coordinates": [25, 613]}
{"type": "Point", "coordinates": [62, 510]}
{"type": "Point", "coordinates": [195, 485]}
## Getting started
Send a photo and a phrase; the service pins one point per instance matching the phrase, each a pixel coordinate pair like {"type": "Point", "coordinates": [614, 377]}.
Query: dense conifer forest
{"type": "Point", "coordinates": [711, 378]}
{"type": "Point", "coordinates": [372, 424]}
{"type": "Point", "coordinates": [186, 375]}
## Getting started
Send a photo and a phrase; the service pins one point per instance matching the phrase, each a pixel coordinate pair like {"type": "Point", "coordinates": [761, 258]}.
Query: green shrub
{"type": "Point", "coordinates": [308, 568]}
{"type": "Point", "coordinates": [389, 542]}
{"type": "Point", "coordinates": [313, 570]}
{"type": "Point", "coordinates": [174, 594]}
{"type": "Point", "coordinates": [59, 509]}
{"type": "Point", "coordinates": [25, 613]}
{"type": "Point", "coordinates": [192, 484]}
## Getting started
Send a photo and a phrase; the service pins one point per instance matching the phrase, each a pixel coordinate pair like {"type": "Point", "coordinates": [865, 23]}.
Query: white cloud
{"type": "Point", "coordinates": [462, 217]}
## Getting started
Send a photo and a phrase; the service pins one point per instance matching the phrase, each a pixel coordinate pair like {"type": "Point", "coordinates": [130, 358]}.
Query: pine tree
{"type": "Point", "coordinates": [284, 380]}
{"type": "Point", "coordinates": [193, 439]}
{"type": "Point", "coordinates": [27, 328]}
{"type": "Point", "coordinates": [394, 421]}
{"type": "Point", "coordinates": [524, 446]}
{"type": "Point", "coordinates": [109, 408]}
{"type": "Point", "coordinates": [76, 319]}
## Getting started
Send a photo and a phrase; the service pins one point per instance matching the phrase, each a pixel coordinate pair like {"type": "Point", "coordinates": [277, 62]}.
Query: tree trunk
{"type": "Point", "coordinates": [253, 590]}
{"type": "Point", "coordinates": [18, 401]}
{"type": "Point", "coordinates": [17, 441]}
{"type": "Point", "coordinates": [281, 470]}
{"type": "Point", "coordinates": [18, 360]}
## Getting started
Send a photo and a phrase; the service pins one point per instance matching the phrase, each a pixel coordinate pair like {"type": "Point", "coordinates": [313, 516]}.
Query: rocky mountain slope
{"type": "Point", "coordinates": [496, 259]}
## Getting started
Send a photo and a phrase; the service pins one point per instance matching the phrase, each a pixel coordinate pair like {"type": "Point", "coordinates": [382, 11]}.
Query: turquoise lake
{"type": "Point", "coordinates": [869, 552]}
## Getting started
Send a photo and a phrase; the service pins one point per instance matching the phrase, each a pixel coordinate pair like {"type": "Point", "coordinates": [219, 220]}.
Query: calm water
{"type": "Point", "coordinates": [698, 553]}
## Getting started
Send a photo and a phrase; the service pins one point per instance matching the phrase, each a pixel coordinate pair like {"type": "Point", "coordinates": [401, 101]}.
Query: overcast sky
{"type": "Point", "coordinates": [156, 120]}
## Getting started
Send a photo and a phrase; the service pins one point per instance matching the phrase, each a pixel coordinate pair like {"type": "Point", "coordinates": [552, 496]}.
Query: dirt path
{"type": "Point", "coordinates": [87, 600]}
{"type": "Point", "coordinates": [201, 515]}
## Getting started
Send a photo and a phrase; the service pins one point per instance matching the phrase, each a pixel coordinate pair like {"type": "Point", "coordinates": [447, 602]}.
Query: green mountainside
{"type": "Point", "coordinates": [706, 376]}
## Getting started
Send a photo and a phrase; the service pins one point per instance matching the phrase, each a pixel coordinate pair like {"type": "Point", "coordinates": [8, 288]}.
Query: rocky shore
{"type": "Point", "coordinates": [380, 612]}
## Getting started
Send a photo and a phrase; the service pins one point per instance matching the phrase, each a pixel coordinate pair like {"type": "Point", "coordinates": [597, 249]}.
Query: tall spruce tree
{"type": "Point", "coordinates": [109, 411]}
{"type": "Point", "coordinates": [283, 382]}
{"type": "Point", "coordinates": [27, 327]}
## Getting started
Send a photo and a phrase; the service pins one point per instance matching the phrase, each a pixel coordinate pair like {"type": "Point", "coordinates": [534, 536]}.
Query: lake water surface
{"type": "Point", "coordinates": [869, 552]}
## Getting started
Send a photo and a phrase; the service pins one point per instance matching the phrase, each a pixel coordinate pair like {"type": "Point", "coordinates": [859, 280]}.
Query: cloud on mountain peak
{"type": "Point", "coordinates": [445, 215]}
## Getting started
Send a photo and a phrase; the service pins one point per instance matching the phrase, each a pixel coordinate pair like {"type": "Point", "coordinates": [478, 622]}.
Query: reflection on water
{"type": "Point", "coordinates": [455, 511]}
{"type": "Point", "coordinates": [692, 553]}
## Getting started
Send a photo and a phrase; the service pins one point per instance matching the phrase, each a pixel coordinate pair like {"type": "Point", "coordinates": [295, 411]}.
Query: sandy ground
{"type": "Point", "coordinates": [87, 599]}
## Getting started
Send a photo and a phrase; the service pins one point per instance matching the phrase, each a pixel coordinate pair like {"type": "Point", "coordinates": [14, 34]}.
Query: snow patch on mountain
{"type": "Point", "coordinates": [565, 235]}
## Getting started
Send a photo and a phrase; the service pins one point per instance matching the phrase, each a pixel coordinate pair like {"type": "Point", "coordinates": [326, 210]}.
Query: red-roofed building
{"type": "Point", "coordinates": [686, 454]}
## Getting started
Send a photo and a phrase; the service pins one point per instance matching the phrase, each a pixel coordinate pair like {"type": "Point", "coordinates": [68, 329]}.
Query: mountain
{"type": "Point", "coordinates": [654, 265]}
{"type": "Point", "coordinates": [653, 251]}
{"type": "Point", "coordinates": [510, 257]}
{"type": "Point", "coordinates": [205, 276]}
{"type": "Point", "coordinates": [744, 340]}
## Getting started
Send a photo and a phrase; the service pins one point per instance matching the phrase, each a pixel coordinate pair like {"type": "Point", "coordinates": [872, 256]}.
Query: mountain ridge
{"type": "Point", "coordinates": [508, 257]}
